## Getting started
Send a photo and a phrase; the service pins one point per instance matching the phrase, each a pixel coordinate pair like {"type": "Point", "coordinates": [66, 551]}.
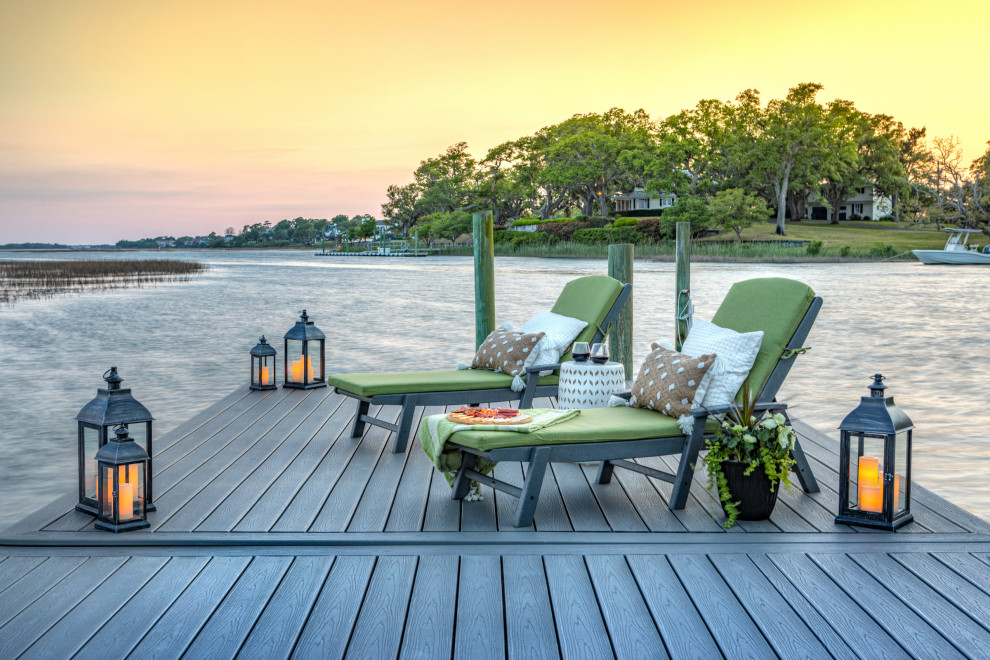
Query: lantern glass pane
{"type": "Point", "coordinates": [866, 472]}
{"type": "Point", "coordinates": [264, 372]}
{"type": "Point", "coordinates": [293, 353]}
{"type": "Point", "coordinates": [139, 434]}
{"type": "Point", "coordinates": [316, 359]}
{"type": "Point", "coordinates": [106, 492]}
{"type": "Point", "coordinates": [91, 444]}
{"type": "Point", "coordinates": [900, 473]}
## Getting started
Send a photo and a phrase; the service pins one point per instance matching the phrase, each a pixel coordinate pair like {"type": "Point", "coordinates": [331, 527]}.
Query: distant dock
{"type": "Point", "coordinates": [372, 253]}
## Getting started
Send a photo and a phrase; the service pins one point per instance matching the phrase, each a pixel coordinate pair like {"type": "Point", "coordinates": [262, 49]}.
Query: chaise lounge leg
{"type": "Point", "coordinates": [362, 409]}
{"type": "Point", "coordinates": [605, 472]}
{"type": "Point", "coordinates": [685, 471]}
{"type": "Point", "coordinates": [803, 469]}
{"type": "Point", "coordinates": [531, 488]}
{"type": "Point", "coordinates": [462, 482]}
{"type": "Point", "coordinates": [405, 425]}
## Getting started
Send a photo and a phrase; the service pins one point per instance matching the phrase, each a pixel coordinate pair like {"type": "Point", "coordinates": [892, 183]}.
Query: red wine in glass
{"type": "Point", "coordinates": [599, 353]}
{"type": "Point", "coordinates": [581, 351]}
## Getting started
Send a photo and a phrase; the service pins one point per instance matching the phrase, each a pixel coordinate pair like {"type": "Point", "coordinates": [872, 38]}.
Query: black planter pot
{"type": "Point", "coordinates": [756, 501]}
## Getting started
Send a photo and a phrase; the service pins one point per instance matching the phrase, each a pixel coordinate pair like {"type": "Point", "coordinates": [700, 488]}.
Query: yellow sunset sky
{"type": "Point", "coordinates": [133, 119]}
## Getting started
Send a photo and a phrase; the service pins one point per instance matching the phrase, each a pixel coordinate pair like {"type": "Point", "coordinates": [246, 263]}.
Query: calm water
{"type": "Point", "coordinates": [182, 346]}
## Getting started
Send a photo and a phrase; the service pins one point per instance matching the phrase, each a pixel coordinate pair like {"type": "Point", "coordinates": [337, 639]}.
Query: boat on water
{"type": "Point", "coordinates": [956, 250]}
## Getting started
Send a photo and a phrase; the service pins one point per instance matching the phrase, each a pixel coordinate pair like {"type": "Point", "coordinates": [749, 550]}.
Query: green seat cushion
{"type": "Point", "coordinates": [587, 298]}
{"type": "Point", "coordinates": [774, 305]}
{"type": "Point", "coordinates": [593, 425]}
{"type": "Point", "coordinates": [411, 382]}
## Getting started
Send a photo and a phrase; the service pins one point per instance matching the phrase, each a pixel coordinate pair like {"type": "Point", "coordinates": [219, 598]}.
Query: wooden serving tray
{"type": "Point", "coordinates": [461, 418]}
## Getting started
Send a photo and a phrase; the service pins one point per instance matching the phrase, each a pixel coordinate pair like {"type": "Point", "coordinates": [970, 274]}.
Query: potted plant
{"type": "Point", "coordinates": [748, 460]}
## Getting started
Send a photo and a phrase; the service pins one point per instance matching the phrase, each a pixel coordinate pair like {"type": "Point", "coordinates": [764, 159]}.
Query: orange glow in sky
{"type": "Point", "coordinates": [133, 119]}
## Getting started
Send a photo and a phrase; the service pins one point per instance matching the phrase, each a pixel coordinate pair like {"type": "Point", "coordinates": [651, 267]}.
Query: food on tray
{"type": "Point", "coordinates": [475, 415]}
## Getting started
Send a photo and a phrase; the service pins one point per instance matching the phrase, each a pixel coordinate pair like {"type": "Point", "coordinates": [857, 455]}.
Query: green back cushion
{"type": "Point", "coordinates": [774, 305]}
{"type": "Point", "coordinates": [587, 298]}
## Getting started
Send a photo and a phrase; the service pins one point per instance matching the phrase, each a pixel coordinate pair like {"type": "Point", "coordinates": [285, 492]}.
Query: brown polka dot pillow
{"type": "Point", "coordinates": [671, 382]}
{"type": "Point", "coordinates": [507, 351]}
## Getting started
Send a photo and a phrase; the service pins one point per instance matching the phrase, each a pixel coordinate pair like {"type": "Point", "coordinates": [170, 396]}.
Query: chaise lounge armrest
{"type": "Point", "coordinates": [542, 367]}
{"type": "Point", "coordinates": [623, 395]}
{"type": "Point", "coordinates": [721, 410]}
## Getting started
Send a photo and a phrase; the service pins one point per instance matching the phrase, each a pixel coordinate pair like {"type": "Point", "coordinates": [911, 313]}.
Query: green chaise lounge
{"type": "Point", "coordinates": [595, 299]}
{"type": "Point", "coordinates": [783, 309]}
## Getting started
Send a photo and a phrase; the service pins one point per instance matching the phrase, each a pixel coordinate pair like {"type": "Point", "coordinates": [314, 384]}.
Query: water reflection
{"type": "Point", "coordinates": [183, 345]}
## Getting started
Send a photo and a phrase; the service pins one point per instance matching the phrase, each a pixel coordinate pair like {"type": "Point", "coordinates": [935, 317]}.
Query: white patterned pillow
{"type": "Point", "coordinates": [736, 353]}
{"type": "Point", "coordinates": [560, 331]}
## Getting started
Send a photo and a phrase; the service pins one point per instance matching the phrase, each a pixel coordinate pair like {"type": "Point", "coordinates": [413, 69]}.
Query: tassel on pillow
{"type": "Point", "coordinates": [616, 402]}
{"type": "Point", "coordinates": [461, 366]}
{"type": "Point", "coordinates": [518, 384]}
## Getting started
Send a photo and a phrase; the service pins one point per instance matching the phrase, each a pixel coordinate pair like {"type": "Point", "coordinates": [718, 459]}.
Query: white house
{"type": "Point", "coordinates": [638, 200]}
{"type": "Point", "coordinates": [867, 203]}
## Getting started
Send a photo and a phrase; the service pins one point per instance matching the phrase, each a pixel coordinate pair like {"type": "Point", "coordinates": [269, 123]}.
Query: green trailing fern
{"type": "Point", "coordinates": [757, 440]}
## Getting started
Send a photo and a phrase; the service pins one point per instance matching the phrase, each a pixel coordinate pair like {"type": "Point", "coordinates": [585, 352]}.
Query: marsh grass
{"type": "Point", "coordinates": [44, 279]}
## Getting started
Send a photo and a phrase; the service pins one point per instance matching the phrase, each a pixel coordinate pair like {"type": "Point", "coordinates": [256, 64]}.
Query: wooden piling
{"type": "Point", "coordinates": [682, 286]}
{"type": "Point", "coordinates": [484, 276]}
{"type": "Point", "coordinates": [620, 336]}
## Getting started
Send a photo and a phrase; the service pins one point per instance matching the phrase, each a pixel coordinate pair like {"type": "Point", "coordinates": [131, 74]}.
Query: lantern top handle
{"type": "Point", "coordinates": [121, 432]}
{"type": "Point", "coordinates": [877, 388]}
{"type": "Point", "coordinates": [303, 316]}
{"type": "Point", "coordinates": [112, 378]}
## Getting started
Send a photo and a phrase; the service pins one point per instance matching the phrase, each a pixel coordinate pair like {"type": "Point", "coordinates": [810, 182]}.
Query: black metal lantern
{"type": "Point", "coordinates": [111, 407]}
{"type": "Point", "coordinates": [304, 357]}
{"type": "Point", "coordinates": [122, 486]}
{"type": "Point", "coordinates": [263, 366]}
{"type": "Point", "coordinates": [875, 463]}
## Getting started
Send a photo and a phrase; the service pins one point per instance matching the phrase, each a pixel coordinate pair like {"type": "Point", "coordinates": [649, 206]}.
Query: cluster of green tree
{"type": "Point", "coordinates": [285, 233]}
{"type": "Point", "coordinates": [33, 246]}
{"type": "Point", "coordinates": [141, 244]}
{"type": "Point", "coordinates": [719, 158]}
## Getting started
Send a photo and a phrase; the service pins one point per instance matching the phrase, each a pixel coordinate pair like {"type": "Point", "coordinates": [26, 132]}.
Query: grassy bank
{"type": "Point", "coordinates": [843, 242]}
{"type": "Point", "coordinates": [40, 279]}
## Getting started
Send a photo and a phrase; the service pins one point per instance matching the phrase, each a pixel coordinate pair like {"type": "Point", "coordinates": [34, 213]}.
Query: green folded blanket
{"type": "Point", "coordinates": [435, 431]}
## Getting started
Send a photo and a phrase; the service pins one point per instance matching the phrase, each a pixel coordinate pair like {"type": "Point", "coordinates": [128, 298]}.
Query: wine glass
{"type": "Point", "coordinates": [599, 353]}
{"type": "Point", "coordinates": [580, 351]}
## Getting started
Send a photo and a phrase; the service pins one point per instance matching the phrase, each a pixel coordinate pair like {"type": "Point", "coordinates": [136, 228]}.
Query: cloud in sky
{"type": "Point", "coordinates": [123, 120]}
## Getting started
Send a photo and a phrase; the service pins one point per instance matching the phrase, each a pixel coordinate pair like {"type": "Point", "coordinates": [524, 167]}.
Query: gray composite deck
{"type": "Point", "coordinates": [277, 535]}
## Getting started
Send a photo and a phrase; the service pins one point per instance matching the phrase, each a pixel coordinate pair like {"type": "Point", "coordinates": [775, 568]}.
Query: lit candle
{"type": "Point", "coordinates": [870, 491]}
{"type": "Point", "coordinates": [297, 368]}
{"type": "Point", "coordinates": [897, 491]}
{"type": "Point", "coordinates": [264, 376]}
{"type": "Point", "coordinates": [126, 500]}
{"type": "Point", "coordinates": [309, 367]}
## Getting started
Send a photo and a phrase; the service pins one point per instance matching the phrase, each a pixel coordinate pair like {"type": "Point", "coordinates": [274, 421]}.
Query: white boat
{"type": "Point", "coordinates": [956, 251]}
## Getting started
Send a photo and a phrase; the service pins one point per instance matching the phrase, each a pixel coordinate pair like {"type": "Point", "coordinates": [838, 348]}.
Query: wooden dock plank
{"type": "Point", "coordinates": [684, 632]}
{"type": "Point", "coordinates": [582, 507]}
{"type": "Point", "coordinates": [308, 499]}
{"type": "Point", "coordinates": [14, 568]}
{"type": "Point", "coordinates": [409, 507]}
{"type": "Point", "coordinates": [614, 502]}
{"type": "Point", "coordinates": [241, 463]}
{"type": "Point", "coordinates": [34, 620]}
{"type": "Point", "coordinates": [480, 629]}
{"type": "Point", "coordinates": [380, 624]}
{"type": "Point", "coordinates": [250, 489]}
{"type": "Point", "coordinates": [228, 627]}
{"type": "Point", "coordinates": [630, 627]}
{"type": "Point", "coordinates": [197, 421]}
{"type": "Point", "coordinates": [969, 595]}
{"type": "Point", "coordinates": [580, 628]}
{"type": "Point", "coordinates": [650, 506]}
{"type": "Point", "coordinates": [442, 513]}
{"type": "Point", "coordinates": [781, 625]}
{"type": "Point", "coordinates": [909, 629]}
{"type": "Point", "coordinates": [332, 618]}
{"type": "Point", "coordinates": [346, 495]}
{"type": "Point", "coordinates": [34, 584]}
{"type": "Point", "coordinates": [736, 634]}
{"type": "Point", "coordinates": [279, 626]}
{"type": "Point", "coordinates": [132, 621]}
{"type": "Point", "coordinates": [828, 637]}
{"type": "Point", "coordinates": [969, 566]}
{"type": "Point", "coordinates": [963, 633]}
{"type": "Point", "coordinates": [693, 517]}
{"type": "Point", "coordinates": [178, 626]}
{"type": "Point", "coordinates": [373, 510]}
{"type": "Point", "coordinates": [857, 628]}
{"type": "Point", "coordinates": [68, 635]}
{"type": "Point", "coordinates": [529, 626]}
{"type": "Point", "coordinates": [699, 497]}
{"type": "Point", "coordinates": [429, 630]}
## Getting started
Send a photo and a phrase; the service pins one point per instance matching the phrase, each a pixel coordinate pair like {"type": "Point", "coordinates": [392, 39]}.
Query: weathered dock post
{"type": "Point", "coordinates": [682, 287]}
{"type": "Point", "coordinates": [620, 337]}
{"type": "Point", "coordinates": [484, 276]}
